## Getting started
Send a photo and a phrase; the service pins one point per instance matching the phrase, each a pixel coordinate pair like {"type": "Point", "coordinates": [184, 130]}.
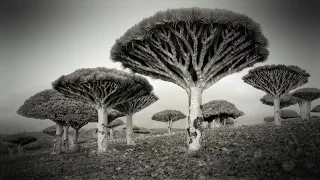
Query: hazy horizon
{"type": "Point", "coordinates": [40, 42]}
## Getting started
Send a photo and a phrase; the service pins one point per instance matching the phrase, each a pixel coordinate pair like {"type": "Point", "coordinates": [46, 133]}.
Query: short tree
{"type": "Point", "coordinates": [19, 140]}
{"type": "Point", "coordinates": [316, 109]}
{"type": "Point", "coordinates": [102, 88]}
{"type": "Point", "coordinates": [193, 48]}
{"type": "Point", "coordinates": [51, 130]}
{"type": "Point", "coordinates": [289, 113]}
{"type": "Point", "coordinates": [114, 124]}
{"type": "Point", "coordinates": [268, 119]}
{"type": "Point", "coordinates": [169, 117]}
{"type": "Point", "coordinates": [132, 107]}
{"type": "Point", "coordinates": [141, 130]}
{"type": "Point", "coordinates": [285, 101]}
{"type": "Point", "coordinates": [276, 80]}
{"type": "Point", "coordinates": [218, 111]}
{"type": "Point", "coordinates": [50, 104]}
{"type": "Point", "coordinates": [76, 126]}
{"type": "Point", "coordinates": [306, 96]}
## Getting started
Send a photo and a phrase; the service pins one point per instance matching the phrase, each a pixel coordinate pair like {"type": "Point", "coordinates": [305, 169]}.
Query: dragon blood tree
{"type": "Point", "coordinates": [76, 126]}
{"type": "Point", "coordinates": [132, 107]}
{"type": "Point", "coordinates": [103, 89]}
{"type": "Point", "coordinates": [276, 80]}
{"type": "Point", "coordinates": [61, 110]}
{"type": "Point", "coordinates": [305, 97]}
{"type": "Point", "coordinates": [67, 110]}
{"type": "Point", "coordinates": [316, 109]}
{"type": "Point", "coordinates": [112, 115]}
{"type": "Point", "coordinates": [193, 48]}
{"type": "Point", "coordinates": [114, 124]}
{"type": "Point", "coordinates": [285, 101]}
{"type": "Point", "coordinates": [169, 117]}
{"type": "Point", "coordinates": [51, 130]}
{"type": "Point", "coordinates": [19, 140]}
{"type": "Point", "coordinates": [31, 109]}
{"type": "Point", "coordinates": [218, 111]}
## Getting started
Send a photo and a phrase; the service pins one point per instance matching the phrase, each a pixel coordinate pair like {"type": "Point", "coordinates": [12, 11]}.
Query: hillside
{"type": "Point", "coordinates": [291, 151]}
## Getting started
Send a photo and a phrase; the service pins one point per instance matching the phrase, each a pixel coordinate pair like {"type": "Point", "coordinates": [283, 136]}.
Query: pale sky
{"type": "Point", "coordinates": [40, 42]}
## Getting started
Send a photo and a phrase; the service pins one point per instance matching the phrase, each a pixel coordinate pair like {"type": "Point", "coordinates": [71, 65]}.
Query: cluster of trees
{"type": "Point", "coordinates": [191, 47]}
{"type": "Point", "coordinates": [18, 141]}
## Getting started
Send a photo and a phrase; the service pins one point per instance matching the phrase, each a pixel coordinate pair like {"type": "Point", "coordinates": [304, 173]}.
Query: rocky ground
{"type": "Point", "coordinates": [291, 151]}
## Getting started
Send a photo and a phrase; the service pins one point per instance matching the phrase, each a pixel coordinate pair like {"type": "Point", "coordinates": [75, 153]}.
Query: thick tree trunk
{"type": "Point", "coordinates": [170, 127]}
{"type": "Point", "coordinates": [57, 139]}
{"type": "Point", "coordinates": [10, 151]}
{"type": "Point", "coordinates": [66, 138]}
{"type": "Point", "coordinates": [129, 130]}
{"type": "Point", "coordinates": [217, 122]}
{"type": "Point", "coordinates": [102, 129]}
{"type": "Point", "coordinates": [308, 109]}
{"type": "Point", "coordinates": [75, 140]}
{"type": "Point", "coordinates": [277, 115]}
{"type": "Point", "coordinates": [196, 119]}
{"type": "Point", "coordinates": [224, 122]}
{"type": "Point", "coordinates": [304, 110]}
{"type": "Point", "coordinates": [111, 133]}
{"type": "Point", "coordinates": [210, 125]}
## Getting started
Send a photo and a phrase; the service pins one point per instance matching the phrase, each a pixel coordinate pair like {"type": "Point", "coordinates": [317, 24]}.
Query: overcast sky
{"type": "Point", "coordinates": [40, 42]}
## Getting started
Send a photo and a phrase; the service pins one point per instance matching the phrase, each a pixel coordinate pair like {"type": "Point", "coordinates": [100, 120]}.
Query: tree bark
{"type": "Point", "coordinates": [304, 110]}
{"type": "Point", "coordinates": [66, 138]}
{"type": "Point", "coordinates": [196, 119]}
{"type": "Point", "coordinates": [102, 129]}
{"type": "Point", "coordinates": [129, 130]}
{"type": "Point", "coordinates": [277, 115]}
{"type": "Point", "coordinates": [170, 127]}
{"type": "Point", "coordinates": [224, 122]}
{"type": "Point", "coordinates": [308, 109]}
{"type": "Point", "coordinates": [217, 122]}
{"type": "Point", "coordinates": [75, 140]}
{"type": "Point", "coordinates": [111, 133]}
{"type": "Point", "coordinates": [57, 139]}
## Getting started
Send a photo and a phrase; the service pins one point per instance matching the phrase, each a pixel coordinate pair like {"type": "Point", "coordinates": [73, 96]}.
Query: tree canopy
{"type": "Point", "coordinates": [220, 108]}
{"type": "Point", "coordinates": [289, 113]}
{"type": "Point", "coordinates": [51, 130]}
{"type": "Point", "coordinates": [316, 109]}
{"type": "Point", "coordinates": [307, 94]}
{"type": "Point", "coordinates": [102, 86]}
{"type": "Point", "coordinates": [136, 105]}
{"type": "Point", "coordinates": [50, 104]}
{"type": "Point", "coordinates": [115, 123]}
{"type": "Point", "coordinates": [191, 46]}
{"type": "Point", "coordinates": [168, 115]}
{"type": "Point", "coordinates": [19, 139]}
{"type": "Point", "coordinates": [276, 80]}
{"type": "Point", "coordinates": [285, 101]}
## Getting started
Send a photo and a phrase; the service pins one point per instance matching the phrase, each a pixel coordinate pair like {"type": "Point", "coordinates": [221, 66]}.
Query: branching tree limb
{"type": "Point", "coordinates": [194, 48]}
{"type": "Point", "coordinates": [276, 80]}
{"type": "Point", "coordinates": [103, 88]}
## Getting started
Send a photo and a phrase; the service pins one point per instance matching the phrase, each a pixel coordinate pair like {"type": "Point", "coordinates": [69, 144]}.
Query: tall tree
{"type": "Point", "coordinates": [132, 107]}
{"type": "Point", "coordinates": [112, 115]}
{"type": "Point", "coordinates": [276, 80]}
{"type": "Point", "coordinates": [306, 96]}
{"type": "Point", "coordinates": [103, 89]}
{"type": "Point", "coordinates": [50, 104]}
{"type": "Point", "coordinates": [169, 117]}
{"type": "Point", "coordinates": [76, 126]}
{"type": "Point", "coordinates": [193, 48]}
{"type": "Point", "coordinates": [218, 111]}
{"type": "Point", "coordinates": [285, 101]}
